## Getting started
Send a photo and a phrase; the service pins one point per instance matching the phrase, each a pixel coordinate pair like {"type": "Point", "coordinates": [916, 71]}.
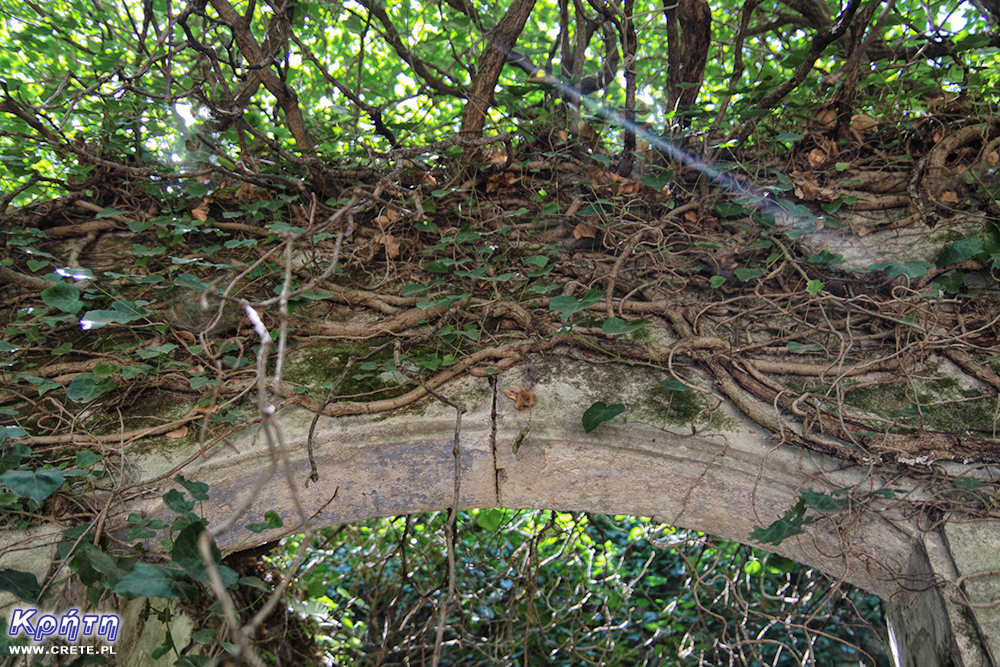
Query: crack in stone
{"type": "Point", "coordinates": [493, 440]}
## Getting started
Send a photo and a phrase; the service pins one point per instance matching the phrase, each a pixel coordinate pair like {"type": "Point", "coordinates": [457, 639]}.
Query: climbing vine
{"type": "Point", "coordinates": [200, 202]}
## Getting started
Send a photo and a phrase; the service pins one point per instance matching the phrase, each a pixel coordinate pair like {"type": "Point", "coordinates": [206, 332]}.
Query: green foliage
{"type": "Point", "coordinates": [790, 525]}
{"type": "Point", "coordinates": [674, 385]}
{"type": "Point", "coordinates": [567, 306]}
{"type": "Point", "coordinates": [553, 588]}
{"type": "Point", "coordinates": [106, 104]}
{"type": "Point", "coordinates": [63, 296]}
{"type": "Point", "coordinates": [88, 386]}
{"type": "Point", "coordinates": [152, 581]}
{"type": "Point", "coordinates": [23, 585]}
{"type": "Point", "coordinates": [34, 484]}
{"type": "Point", "coordinates": [615, 326]}
{"type": "Point", "coordinates": [271, 521]}
{"type": "Point", "coordinates": [795, 519]}
{"type": "Point", "coordinates": [600, 412]}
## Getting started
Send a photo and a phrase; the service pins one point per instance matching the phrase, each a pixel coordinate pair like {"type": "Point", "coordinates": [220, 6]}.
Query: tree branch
{"type": "Point", "coordinates": [420, 68]}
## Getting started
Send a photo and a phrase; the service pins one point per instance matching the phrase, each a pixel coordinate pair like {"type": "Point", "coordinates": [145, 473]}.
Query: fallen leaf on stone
{"type": "Point", "coordinates": [522, 397]}
{"type": "Point", "coordinates": [177, 434]}
{"type": "Point", "coordinates": [950, 197]}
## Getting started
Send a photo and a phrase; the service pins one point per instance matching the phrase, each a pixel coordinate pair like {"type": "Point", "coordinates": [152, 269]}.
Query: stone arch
{"type": "Point", "coordinates": [726, 479]}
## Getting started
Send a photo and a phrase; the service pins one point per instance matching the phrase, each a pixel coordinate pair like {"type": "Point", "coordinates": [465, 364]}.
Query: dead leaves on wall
{"type": "Point", "coordinates": [522, 397]}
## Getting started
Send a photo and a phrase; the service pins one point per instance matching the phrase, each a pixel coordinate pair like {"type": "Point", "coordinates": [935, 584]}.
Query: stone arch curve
{"type": "Point", "coordinates": [726, 479]}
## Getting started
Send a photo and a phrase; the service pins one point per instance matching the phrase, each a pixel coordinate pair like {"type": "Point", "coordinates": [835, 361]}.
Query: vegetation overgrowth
{"type": "Point", "coordinates": [191, 192]}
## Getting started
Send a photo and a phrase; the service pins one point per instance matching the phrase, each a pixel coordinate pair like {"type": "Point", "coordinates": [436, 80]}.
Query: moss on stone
{"type": "Point", "coordinates": [939, 401]}
{"type": "Point", "coordinates": [311, 366]}
{"type": "Point", "coordinates": [945, 237]}
{"type": "Point", "coordinates": [680, 408]}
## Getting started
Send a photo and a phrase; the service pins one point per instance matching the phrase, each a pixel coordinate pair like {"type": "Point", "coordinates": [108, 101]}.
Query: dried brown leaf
{"type": "Point", "coordinates": [949, 197]}
{"type": "Point", "coordinates": [817, 158]}
{"type": "Point", "coordinates": [201, 212]}
{"type": "Point", "coordinates": [391, 244]}
{"type": "Point", "coordinates": [826, 117]}
{"type": "Point", "coordinates": [862, 122]}
{"type": "Point", "coordinates": [522, 397]}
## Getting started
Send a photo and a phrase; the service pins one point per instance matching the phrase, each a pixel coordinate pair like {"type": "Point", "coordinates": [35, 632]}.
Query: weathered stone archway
{"type": "Point", "coordinates": [725, 480]}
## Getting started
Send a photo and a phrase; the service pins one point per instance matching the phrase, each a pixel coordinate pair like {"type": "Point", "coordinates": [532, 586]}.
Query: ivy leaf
{"type": "Point", "coordinates": [191, 282]}
{"type": "Point", "coordinates": [951, 283]}
{"type": "Point", "coordinates": [961, 251]}
{"type": "Point", "coordinates": [42, 385]}
{"type": "Point", "coordinates": [271, 521]}
{"type": "Point", "coordinates": [11, 432]}
{"type": "Point", "coordinates": [467, 234]}
{"type": "Point", "coordinates": [122, 312]}
{"type": "Point", "coordinates": [94, 566]}
{"type": "Point", "coordinates": [746, 275]}
{"type": "Point", "coordinates": [143, 251]}
{"type": "Point", "coordinates": [787, 526]}
{"type": "Point", "coordinates": [206, 636]}
{"type": "Point", "coordinates": [86, 458]}
{"type": "Point", "coordinates": [63, 296]}
{"type": "Point", "coordinates": [109, 212]}
{"type": "Point", "coordinates": [674, 385]}
{"type": "Point", "coordinates": [186, 553]}
{"type": "Point", "coordinates": [822, 502]}
{"type": "Point", "coordinates": [414, 289]}
{"type": "Point", "coordinates": [198, 490]}
{"type": "Point", "coordinates": [176, 501]}
{"type": "Point", "coordinates": [443, 302]}
{"type": "Point", "coordinates": [104, 369]}
{"type": "Point", "coordinates": [149, 581]}
{"type": "Point", "coordinates": [135, 370]}
{"type": "Point", "coordinates": [156, 350]}
{"type": "Point", "coordinates": [617, 326]}
{"type": "Point", "coordinates": [85, 387]}
{"type": "Point", "coordinates": [567, 306]}
{"type": "Point", "coordinates": [788, 136]}
{"type": "Point", "coordinates": [281, 227]}
{"type": "Point", "coordinates": [34, 484]}
{"type": "Point", "coordinates": [600, 412]}
{"type": "Point", "coordinates": [914, 270]}
{"type": "Point", "coordinates": [23, 585]}
{"type": "Point", "coordinates": [826, 258]}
